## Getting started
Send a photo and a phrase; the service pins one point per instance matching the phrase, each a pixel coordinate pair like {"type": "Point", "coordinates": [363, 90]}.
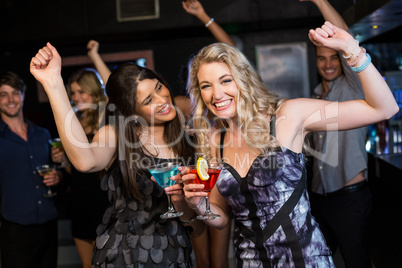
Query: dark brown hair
{"type": "Point", "coordinates": [121, 89]}
{"type": "Point", "coordinates": [13, 80]}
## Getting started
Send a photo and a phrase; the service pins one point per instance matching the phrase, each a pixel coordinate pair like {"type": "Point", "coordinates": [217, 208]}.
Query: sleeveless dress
{"type": "Point", "coordinates": [86, 202]}
{"type": "Point", "coordinates": [273, 222]}
{"type": "Point", "coordinates": [132, 234]}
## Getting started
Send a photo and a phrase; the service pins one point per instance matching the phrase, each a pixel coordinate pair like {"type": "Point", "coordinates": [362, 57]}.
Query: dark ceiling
{"type": "Point", "coordinates": [69, 22]}
{"type": "Point", "coordinates": [376, 21]}
{"type": "Point", "coordinates": [175, 35]}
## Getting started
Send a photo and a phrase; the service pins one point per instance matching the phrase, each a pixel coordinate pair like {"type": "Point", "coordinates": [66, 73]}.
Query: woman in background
{"type": "Point", "coordinates": [86, 202]}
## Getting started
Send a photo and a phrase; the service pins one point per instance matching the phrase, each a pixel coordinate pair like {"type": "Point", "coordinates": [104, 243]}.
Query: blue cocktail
{"type": "Point", "coordinates": [162, 176]}
{"type": "Point", "coordinates": [162, 173]}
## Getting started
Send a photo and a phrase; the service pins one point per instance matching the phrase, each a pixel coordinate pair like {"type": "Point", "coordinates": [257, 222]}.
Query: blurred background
{"type": "Point", "coordinates": [165, 31]}
{"type": "Point", "coordinates": [162, 36]}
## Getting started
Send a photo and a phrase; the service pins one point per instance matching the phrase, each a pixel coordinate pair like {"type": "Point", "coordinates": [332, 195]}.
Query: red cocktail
{"type": "Point", "coordinates": [210, 183]}
{"type": "Point", "coordinates": [213, 171]}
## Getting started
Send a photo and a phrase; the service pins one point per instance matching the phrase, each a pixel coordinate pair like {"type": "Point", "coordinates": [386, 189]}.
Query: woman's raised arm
{"type": "Point", "coordinates": [46, 68]}
{"type": "Point", "coordinates": [318, 115]}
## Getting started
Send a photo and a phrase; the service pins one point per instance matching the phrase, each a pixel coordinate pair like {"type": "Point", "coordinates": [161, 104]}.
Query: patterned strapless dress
{"type": "Point", "coordinates": [273, 222]}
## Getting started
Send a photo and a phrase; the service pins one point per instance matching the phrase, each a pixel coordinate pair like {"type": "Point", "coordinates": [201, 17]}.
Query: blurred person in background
{"type": "Point", "coordinates": [28, 230]}
{"type": "Point", "coordinates": [340, 198]}
{"type": "Point", "coordinates": [86, 202]}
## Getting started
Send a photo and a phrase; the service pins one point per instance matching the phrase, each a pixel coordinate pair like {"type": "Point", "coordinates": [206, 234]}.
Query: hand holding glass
{"type": "Point", "coordinates": [56, 142]}
{"type": "Point", "coordinates": [44, 170]}
{"type": "Point", "coordinates": [162, 173]}
{"type": "Point", "coordinates": [213, 171]}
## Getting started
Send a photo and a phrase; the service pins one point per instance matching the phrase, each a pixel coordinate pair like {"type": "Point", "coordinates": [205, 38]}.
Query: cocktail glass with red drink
{"type": "Point", "coordinates": [212, 171]}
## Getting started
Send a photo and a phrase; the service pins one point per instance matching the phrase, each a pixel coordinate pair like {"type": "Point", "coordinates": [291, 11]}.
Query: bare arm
{"type": "Point", "coordinates": [195, 8]}
{"type": "Point", "coordinates": [379, 103]}
{"type": "Point", "coordinates": [297, 117]}
{"type": "Point", "coordinates": [46, 68]}
{"type": "Point", "coordinates": [329, 13]}
{"type": "Point", "coordinates": [93, 54]}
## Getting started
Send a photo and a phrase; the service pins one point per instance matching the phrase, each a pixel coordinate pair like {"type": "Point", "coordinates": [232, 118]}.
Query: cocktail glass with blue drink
{"type": "Point", "coordinates": [162, 173]}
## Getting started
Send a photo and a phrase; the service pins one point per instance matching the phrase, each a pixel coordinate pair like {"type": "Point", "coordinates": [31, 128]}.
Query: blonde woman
{"type": "Point", "coordinates": [260, 137]}
{"type": "Point", "coordinates": [86, 201]}
{"type": "Point", "coordinates": [211, 249]}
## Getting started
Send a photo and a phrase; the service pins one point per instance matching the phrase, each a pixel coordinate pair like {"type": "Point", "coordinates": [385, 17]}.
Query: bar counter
{"type": "Point", "coordinates": [385, 182]}
{"type": "Point", "coordinates": [393, 160]}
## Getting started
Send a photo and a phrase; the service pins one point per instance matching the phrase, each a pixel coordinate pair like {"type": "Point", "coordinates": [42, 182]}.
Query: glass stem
{"type": "Point", "coordinates": [170, 204]}
{"type": "Point", "coordinates": [207, 205]}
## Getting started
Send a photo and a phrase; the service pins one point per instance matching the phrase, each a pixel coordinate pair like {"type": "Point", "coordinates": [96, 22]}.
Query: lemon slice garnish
{"type": "Point", "coordinates": [202, 169]}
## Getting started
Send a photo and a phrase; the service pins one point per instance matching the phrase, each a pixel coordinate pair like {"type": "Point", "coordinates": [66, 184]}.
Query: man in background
{"type": "Point", "coordinates": [341, 200]}
{"type": "Point", "coordinates": [28, 232]}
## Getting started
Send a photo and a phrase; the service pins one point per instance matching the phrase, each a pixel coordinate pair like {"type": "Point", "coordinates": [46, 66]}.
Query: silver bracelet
{"type": "Point", "coordinates": [209, 22]}
{"type": "Point", "coordinates": [353, 52]}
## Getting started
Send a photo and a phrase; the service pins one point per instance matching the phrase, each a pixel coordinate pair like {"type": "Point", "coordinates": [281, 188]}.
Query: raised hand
{"type": "Point", "coordinates": [193, 7]}
{"type": "Point", "coordinates": [46, 65]}
{"type": "Point", "coordinates": [93, 47]}
{"type": "Point", "coordinates": [100, 65]}
{"type": "Point", "coordinates": [328, 35]}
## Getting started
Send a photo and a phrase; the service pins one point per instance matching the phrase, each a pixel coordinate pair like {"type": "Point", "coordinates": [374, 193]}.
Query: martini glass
{"type": "Point", "coordinates": [44, 170]}
{"type": "Point", "coordinates": [56, 142]}
{"type": "Point", "coordinates": [162, 173]}
{"type": "Point", "coordinates": [213, 171]}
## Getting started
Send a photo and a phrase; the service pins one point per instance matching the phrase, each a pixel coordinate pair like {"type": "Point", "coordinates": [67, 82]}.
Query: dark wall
{"type": "Point", "coordinates": [174, 37]}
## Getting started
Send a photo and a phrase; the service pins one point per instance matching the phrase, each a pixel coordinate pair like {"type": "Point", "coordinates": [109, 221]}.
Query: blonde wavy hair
{"type": "Point", "coordinates": [91, 83]}
{"type": "Point", "coordinates": [256, 105]}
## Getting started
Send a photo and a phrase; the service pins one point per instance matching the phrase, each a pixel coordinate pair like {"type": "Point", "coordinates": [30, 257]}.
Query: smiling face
{"type": "Point", "coordinates": [218, 89]}
{"type": "Point", "coordinates": [328, 64]}
{"type": "Point", "coordinates": [11, 101]}
{"type": "Point", "coordinates": [154, 102]}
{"type": "Point", "coordinates": [79, 96]}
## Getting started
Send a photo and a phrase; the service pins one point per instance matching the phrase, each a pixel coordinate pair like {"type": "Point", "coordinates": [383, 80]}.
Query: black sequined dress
{"type": "Point", "coordinates": [86, 203]}
{"type": "Point", "coordinates": [132, 234]}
